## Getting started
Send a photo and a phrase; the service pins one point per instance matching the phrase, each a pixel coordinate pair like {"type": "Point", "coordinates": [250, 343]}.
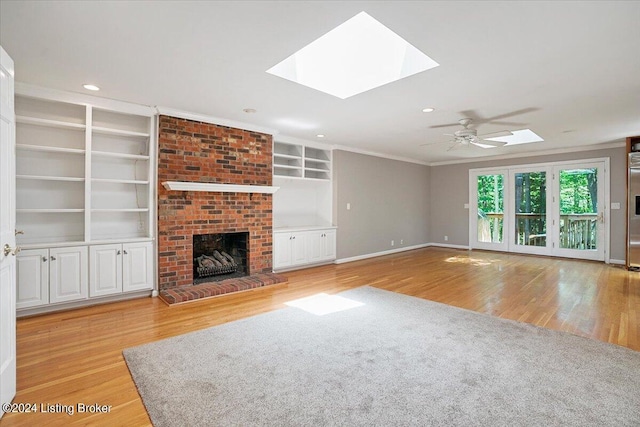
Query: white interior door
{"type": "Point", "coordinates": [7, 233]}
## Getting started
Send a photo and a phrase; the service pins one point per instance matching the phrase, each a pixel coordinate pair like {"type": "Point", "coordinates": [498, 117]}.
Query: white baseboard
{"type": "Point", "coordinates": [446, 245]}
{"type": "Point", "coordinates": [617, 261]}
{"type": "Point", "coordinates": [377, 254]}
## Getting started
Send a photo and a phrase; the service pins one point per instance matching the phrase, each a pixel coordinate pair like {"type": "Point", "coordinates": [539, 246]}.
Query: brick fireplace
{"type": "Point", "coordinates": [191, 151]}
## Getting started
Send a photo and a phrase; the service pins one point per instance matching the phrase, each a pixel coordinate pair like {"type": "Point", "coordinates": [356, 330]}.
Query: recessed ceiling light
{"type": "Point", "coordinates": [320, 135]}
{"type": "Point", "coordinates": [523, 136]}
{"type": "Point", "coordinates": [91, 87]}
{"type": "Point", "coordinates": [428, 110]}
{"type": "Point", "coordinates": [249, 110]}
{"type": "Point", "coordinates": [356, 56]}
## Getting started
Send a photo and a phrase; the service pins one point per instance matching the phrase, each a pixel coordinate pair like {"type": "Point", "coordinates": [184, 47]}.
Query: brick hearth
{"type": "Point", "coordinates": [202, 152]}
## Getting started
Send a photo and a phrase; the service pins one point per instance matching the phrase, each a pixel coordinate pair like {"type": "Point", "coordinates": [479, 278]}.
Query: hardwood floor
{"type": "Point", "coordinates": [76, 356]}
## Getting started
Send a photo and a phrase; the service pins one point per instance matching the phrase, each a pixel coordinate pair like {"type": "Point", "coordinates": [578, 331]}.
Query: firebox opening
{"type": "Point", "coordinates": [219, 256]}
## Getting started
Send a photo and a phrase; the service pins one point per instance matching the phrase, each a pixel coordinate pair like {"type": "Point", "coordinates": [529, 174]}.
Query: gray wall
{"type": "Point", "coordinates": [449, 187]}
{"type": "Point", "coordinates": [389, 201]}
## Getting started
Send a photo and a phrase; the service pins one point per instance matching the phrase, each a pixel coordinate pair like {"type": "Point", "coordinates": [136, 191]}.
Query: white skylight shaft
{"type": "Point", "coordinates": [358, 55]}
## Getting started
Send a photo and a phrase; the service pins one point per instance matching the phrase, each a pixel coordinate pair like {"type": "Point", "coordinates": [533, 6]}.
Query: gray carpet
{"type": "Point", "coordinates": [395, 361]}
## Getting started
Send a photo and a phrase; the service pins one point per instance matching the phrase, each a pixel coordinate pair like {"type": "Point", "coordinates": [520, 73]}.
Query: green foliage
{"type": "Point", "coordinates": [577, 192]}
{"type": "Point", "coordinates": [490, 194]}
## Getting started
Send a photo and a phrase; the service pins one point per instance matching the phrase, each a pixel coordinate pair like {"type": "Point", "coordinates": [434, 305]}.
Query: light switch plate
{"type": "Point", "coordinates": [615, 205]}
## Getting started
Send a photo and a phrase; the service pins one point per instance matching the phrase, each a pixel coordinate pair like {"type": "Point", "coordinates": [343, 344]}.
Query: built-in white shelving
{"type": "Point", "coordinates": [300, 161]}
{"type": "Point", "coordinates": [84, 182]}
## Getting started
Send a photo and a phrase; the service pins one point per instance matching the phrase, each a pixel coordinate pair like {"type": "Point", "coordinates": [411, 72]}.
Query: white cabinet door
{"type": "Point", "coordinates": [329, 245]}
{"type": "Point", "coordinates": [298, 248]}
{"type": "Point", "coordinates": [281, 250]}
{"type": "Point", "coordinates": [33, 278]}
{"type": "Point", "coordinates": [315, 249]}
{"type": "Point", "coordinates": [106, 270]}
{"type": "Point", "coordinates": [68, 277]}
{"type": "Point", "coordinates": [137, 266]}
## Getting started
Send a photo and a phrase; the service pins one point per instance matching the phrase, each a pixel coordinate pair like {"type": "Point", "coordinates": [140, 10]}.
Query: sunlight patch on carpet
{"type": "Point", "coordinates": [321, 304]}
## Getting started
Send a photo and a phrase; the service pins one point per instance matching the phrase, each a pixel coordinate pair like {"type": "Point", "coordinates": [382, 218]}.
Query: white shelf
{"type": "Point", "coordinates": [49, 123]}
{"type": "Point", "coordinates": [287, 166]}
{"type": "Point", "coordinates": [119, 155]}
{"type": "Point", "coordinates": [49, 149]}
{"type": "Point", "coordinates": [119, 132]}
{"type": "Point", "coordinates": [311, 159]}
{"type": "Point", "coordinates": [287, 156]}
{"type": "Point", "coordinates": [316, 170]}
{"type": "Point", "coordinates": [120, 181]}
{"type": "Point", "coordinates": [122, 210]}
{"type": "Point", "coordinates": [49, 210]}
{"type": "Point", "coordinates": [50, 178]}
{"type": "Point", "coordinates": [220, 188]}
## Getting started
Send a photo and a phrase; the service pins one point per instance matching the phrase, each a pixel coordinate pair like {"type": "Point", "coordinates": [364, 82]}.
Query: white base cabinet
{"type": "Point", "coordinates": [68, 274]}
{"type": "Point", "coordinates": [300, 247]}
{"type": "Point", "coordinates": [118, 268]}
{"type": "Point", "coordinates": [51, 276]}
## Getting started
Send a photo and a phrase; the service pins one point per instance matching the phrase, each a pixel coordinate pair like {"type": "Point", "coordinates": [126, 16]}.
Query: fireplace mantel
{"type": "Point", "coordinates": [220, 188]}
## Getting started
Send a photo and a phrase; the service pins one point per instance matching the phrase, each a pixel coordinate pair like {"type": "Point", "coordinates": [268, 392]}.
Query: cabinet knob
{"type": "Point", "coordinates": [44, 259]}
{"type": "Point", "coordinates": [125, 252]}
{"type": "Point", "coordinates": [118, 253]}
{"type": "Point", "coordinates": [53, 258]}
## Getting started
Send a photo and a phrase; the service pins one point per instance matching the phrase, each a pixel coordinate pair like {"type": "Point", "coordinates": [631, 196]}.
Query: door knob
{"type": "Point", "coordinates": [9, 250]}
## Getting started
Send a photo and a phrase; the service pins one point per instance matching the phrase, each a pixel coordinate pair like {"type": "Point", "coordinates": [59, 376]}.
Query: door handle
{"type": "Point", "coordinates": [601, 217]}
{"type": "Point", "coordinates": [8, 250]}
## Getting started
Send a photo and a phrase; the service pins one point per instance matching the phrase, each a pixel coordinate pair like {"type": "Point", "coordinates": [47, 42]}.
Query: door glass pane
{"type": "Point", "coordinates": [578, 208]}
{"type": "Point", "coordinates": [531, 209]}
{"type": "Point", "coordinates": [490, 208]}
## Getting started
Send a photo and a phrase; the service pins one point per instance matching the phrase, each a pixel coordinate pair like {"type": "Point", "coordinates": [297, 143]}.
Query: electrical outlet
{"type": "Point", "coordinates": [446, 238]}
{"type": "Point", "coordinates": [393, 243]}
{"type": "Point", "coordinates": [401, 241]}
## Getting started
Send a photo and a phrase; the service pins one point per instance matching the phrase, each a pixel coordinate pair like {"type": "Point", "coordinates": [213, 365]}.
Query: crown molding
{"type": "Point", "coordinates": [606, 146]}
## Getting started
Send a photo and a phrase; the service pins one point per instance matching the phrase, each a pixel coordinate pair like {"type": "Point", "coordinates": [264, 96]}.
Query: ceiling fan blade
{"type": "Point", "coordinates": [444, 126]}
{"type": "Point", "coordinates": [495, 134]}
{"type": "Point", "coordinates": [490, 143]}
{"type": "Point", "coordinates": [474, 116]}
{"type": "Point", "coordinates": [454, 146]}
{"type": "Point", "coordinates": [513, 113]}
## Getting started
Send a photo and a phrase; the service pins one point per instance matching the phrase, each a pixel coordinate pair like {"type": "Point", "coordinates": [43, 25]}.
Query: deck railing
{"type": "Point", "coordinates": [577, 231]}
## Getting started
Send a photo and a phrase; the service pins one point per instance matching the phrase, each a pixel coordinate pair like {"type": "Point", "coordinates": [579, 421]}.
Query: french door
{"type": "Point", "coordinates": [558, 209]}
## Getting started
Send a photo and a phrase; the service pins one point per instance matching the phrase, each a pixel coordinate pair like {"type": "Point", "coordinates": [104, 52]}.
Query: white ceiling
{"type": "Point", "coordinates": [571, 68]}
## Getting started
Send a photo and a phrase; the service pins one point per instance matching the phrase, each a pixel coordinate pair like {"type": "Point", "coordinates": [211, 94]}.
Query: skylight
{"type": "Point", "coordinates": [524, 136]}
{"type": "Point", "coordinates": [356, 56]}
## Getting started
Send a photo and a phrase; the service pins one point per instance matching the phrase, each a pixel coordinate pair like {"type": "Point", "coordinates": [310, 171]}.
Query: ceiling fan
{"type": "Point", "coordinates": [469, 136]}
